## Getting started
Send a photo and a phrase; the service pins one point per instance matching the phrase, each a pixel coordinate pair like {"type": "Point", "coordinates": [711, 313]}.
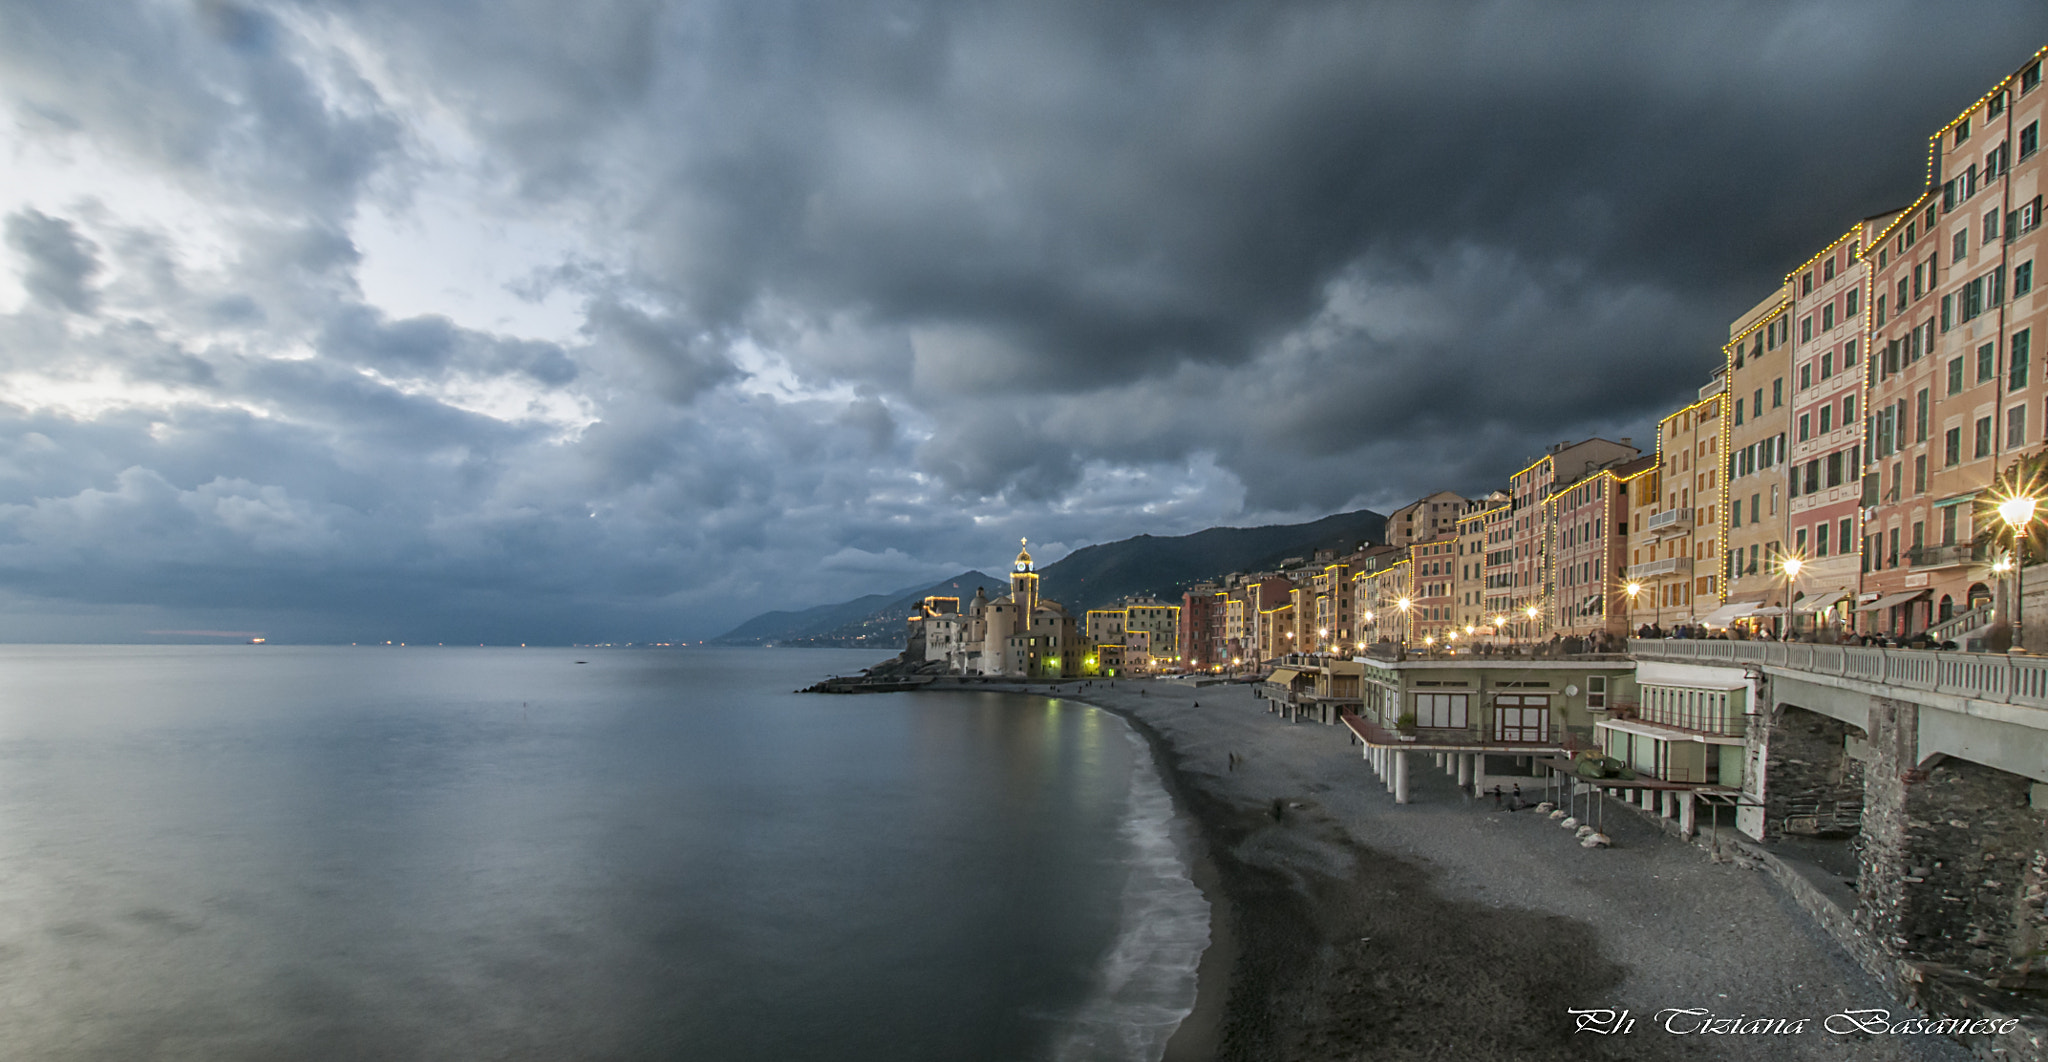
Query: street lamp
{"type": "Point", "coordinates": [1791, 566]}
{"type": "Point", "coordinates": [1632, 589]}
{"type": "Point", "coordinates": [1404, 605]}
{"type": "Point", "coordinates": [1531, 613]}
{"type": "Point", "coordinates": [2018, 512]}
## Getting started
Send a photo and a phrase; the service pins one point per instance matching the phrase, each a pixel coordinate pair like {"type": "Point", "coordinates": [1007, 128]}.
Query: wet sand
{"type": "Point", "coordinates": [1345, 926]}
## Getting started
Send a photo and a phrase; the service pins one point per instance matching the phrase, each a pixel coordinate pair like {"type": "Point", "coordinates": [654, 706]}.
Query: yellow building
{"type": "Point", "coordinates": [1675, 526]}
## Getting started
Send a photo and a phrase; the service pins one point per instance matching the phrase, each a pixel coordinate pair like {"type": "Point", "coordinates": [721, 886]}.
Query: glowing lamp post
{"type": "Point", "coordinates": [1499, 622]}
{"type": "Point", "coordinates": [1531, 613]}
{"type": "Point", "coordinates": [1791, 566]}
{"type": "Point", "coordinates": [1404, 605]}
{"type": "Point", "coordinates": [2018, 512]}
{"type": "Point", "coordinates": [1632, 590]}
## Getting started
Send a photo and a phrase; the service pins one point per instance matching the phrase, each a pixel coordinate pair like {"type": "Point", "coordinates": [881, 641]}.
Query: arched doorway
{"type": "Point", "coordinates": [1948, 609]}
{"type": "Point", "coordinates": [1979, 595]}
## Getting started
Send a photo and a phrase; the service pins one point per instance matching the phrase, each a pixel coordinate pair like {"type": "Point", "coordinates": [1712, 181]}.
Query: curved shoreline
{"type": "Point", "coordinates": [1343, 926]}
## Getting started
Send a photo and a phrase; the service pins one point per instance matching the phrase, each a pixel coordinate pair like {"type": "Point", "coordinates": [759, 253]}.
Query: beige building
{"type": "Point", "coordinates": [1425, 518]}
{"type": "Point", "coordinates": [1758, 359]}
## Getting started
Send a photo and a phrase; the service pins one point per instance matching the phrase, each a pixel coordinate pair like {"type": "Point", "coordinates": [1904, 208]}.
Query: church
{"type": "Point", "coordinates": [1019, 635]}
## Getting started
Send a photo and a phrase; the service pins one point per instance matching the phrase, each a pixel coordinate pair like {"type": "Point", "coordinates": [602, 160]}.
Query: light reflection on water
{"type": "Point", "coordinates": [237, 852]}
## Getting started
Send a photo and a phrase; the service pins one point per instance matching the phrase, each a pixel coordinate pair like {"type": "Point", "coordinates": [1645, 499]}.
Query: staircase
{"type": "Point", "coordinates": [1962, 627]}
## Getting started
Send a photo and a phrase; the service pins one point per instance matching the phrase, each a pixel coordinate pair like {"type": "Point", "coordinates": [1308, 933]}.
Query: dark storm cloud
{"type": "Point", "coordinates": [1058, 199]}
{"type": "Point", "coordinates": [60, 263]}
{"type": "Point", "coordinates": [866, 289]}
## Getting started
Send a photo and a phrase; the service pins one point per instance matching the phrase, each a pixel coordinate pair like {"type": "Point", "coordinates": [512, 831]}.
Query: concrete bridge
{"type": "Point", "coordinates": [1929, 770]}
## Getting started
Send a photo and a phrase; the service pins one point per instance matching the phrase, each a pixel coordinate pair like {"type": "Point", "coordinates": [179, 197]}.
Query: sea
{"type": "Point", "coordinates": [277, 852]}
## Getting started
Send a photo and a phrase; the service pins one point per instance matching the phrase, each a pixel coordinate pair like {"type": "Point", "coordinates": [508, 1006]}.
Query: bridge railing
{"type": "Point", "coordinates": [1993, 677]}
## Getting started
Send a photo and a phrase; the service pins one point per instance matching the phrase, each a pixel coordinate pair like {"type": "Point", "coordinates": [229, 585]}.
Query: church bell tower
{"type": "Point", "coordinates": [1024, 588]}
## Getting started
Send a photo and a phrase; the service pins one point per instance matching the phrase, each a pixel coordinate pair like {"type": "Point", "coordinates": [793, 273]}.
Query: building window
{"type": "Point", "coordinates": [2030, 139]}
{"type": "Point", "coordinates": [1738, 412]}
{"type": "Point", "coordinates": [1955, 376]}
{"type": "Point", "coordinates": [1806, 328]}
{"type": "Point", "coordinates": [1853, 301]}
{"type": "Point", "coordinates": [1948, 526]}
{"type": "Point", "coordinates": [1806, 283]}
{"type": "Point", "coordinates": [2022, 278]}
{"type": "Point", "coordinates": [1983, 439]}
{"type": "Point", "coordinates": [1827, 268]}
{"type": "Point", "coordinates": [1920, 417]}
{"type": "Point", "coordinates": [1799, 541]}
{"type": "Point", "coordinates": [1987, 362]}
{"type": "Point", "coordinates": [1849, 410]}
{"type": "Point", "coordinates": [1962, 130]}
{"type": "Point", "coordinates": [1952, 448]}
{"type": "Point", "coordinates": [1442, 711]}
{"type": "Point", "coordinates": [1821, 534]}
{"type": "Point", "coordinates": [1827, 317]}
{"type": "Point", "coordinates": [1991, 225]}
{"type": "Point", "coordinates": [1827, 364]}
{"type": "Point", "coordinates": [1844, 534]}
{"type": "Point", "coordinates": [2015, 427]}
{"type": "Point", "coordinates": [2030, 78]}
{"type": "Point", "coordinates": [1960, 248]}
{"type": "Point", "coordinates": [1920, 474]}
{"type": "Point", "coordinates": [1827, 416]}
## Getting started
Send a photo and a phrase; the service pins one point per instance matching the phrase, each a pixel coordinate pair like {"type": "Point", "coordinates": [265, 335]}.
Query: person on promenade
{"type": "Point", "coordinates": [1497, 794]}
{"type": "Point", "coordinates": [1515, 798]}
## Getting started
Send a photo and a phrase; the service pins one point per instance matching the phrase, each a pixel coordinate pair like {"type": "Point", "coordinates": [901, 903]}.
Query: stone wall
{"type": "Point", "coordinates": [1955, 857]}
{"type": "Point", "coordinates": [1814, 788]}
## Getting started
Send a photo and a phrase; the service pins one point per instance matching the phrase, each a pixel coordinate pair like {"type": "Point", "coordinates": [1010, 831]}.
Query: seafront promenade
{"type": "Point", "coordinates": [1346, 927]}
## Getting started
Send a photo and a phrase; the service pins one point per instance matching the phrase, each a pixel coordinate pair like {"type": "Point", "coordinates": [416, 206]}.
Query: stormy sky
{"type": "Point", "coordinates": [453, 320]}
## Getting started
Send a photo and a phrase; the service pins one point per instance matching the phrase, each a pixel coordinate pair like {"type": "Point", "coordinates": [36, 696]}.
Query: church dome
{"type": "Point", "coordinates": [1024, 556]}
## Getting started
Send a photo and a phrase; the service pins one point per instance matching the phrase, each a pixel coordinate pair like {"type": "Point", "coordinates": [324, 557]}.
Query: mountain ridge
{"type": "Point", "coordinates": [1090, 577]}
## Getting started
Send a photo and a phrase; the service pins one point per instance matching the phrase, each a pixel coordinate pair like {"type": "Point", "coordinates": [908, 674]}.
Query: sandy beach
{"type": "Point", "coordinates": [1345, 926]}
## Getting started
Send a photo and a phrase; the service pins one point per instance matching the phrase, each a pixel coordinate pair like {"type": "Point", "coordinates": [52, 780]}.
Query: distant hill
{"type": "Point", "coordinates": [875, 619]}
{"type": "Point", "coordinates": [1091, 577]}
{"type": "Point", "coordinates": [1097, 576]}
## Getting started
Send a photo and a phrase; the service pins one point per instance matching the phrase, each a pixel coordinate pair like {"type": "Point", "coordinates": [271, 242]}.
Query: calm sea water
{"type": "Point", "coordinates": [327, 853]}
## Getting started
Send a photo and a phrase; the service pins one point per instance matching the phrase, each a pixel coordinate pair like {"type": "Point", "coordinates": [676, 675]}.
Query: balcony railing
{"type": "Point", "coordinates": [1992, 677]}
{"type": "Point", "coordinates": [1944, 556]}
{"type": "Point", "coordinates": [1656, 568]}
{"type": "Point", "coordinates": [1669, 520]}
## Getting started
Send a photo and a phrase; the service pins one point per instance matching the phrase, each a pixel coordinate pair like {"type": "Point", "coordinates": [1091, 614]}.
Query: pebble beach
{"type": "Point", "coordinates": [1345, 926]}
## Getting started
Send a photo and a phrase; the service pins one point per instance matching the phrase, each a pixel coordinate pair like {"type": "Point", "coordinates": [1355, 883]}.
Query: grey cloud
{"type": "Point", "coordinates": [61, 263]}
{"type": "Point", "coordinates": [683, 361]}
{"type": "Point", "coordinates": [433, 345]}
{"type": "Point", "coordinates": [1070, 270]}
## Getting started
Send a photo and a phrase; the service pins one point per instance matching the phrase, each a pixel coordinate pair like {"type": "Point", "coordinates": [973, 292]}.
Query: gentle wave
{"type": "Point", "coordinates": [1145, 984]}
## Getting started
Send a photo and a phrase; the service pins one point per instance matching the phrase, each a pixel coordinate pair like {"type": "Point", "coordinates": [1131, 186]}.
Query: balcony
{"type": "Point", "coordinates": [1949, 556]}
{"type": "Point", "coordinates": [1670, 520]}
{"type": "Point", "coordinates": [1659, 568]}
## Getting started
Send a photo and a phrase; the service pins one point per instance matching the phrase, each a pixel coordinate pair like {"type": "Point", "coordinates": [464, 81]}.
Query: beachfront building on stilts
{"type": "Point", "coordinates": [1485, 720]}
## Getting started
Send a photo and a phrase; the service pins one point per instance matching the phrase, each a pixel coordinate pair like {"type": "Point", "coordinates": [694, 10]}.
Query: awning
{"type": "Point", "coordinates": [1890, 600]}
{"type": "Point", "coordinates": [1284, 676]}
{"type": "Point", "coordinates": [1957, 500]}
{"type": "Point", "coordinates": [1729, 613]}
